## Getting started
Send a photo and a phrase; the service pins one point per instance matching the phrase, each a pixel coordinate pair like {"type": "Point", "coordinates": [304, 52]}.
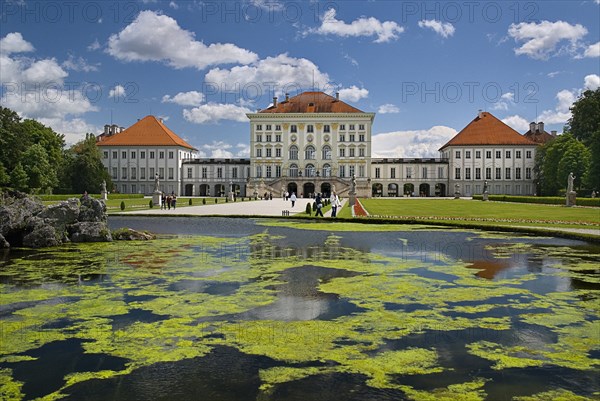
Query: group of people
{"type": "Point", "coordinates": [168, 201]}
{"type": "Point", "coordinates": [334, 200]}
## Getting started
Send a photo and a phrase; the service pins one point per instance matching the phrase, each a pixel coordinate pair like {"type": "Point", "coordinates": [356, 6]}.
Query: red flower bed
{"type": "Point", "coordinates": [359, 210]}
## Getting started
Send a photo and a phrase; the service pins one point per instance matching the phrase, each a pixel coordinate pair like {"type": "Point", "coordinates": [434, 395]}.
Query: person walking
{"type": "Point", "coordinates": [319, 202]}
{"type": "Point", "coordinates": [293, 198]}
{"type": "Point", "coordinates": [173, 199]}
{"type": "Point", "coordinates": [335, 202]}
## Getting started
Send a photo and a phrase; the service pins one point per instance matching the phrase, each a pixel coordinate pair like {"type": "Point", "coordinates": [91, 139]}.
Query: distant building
{"type": "Point", "coordinates": [537, 134]}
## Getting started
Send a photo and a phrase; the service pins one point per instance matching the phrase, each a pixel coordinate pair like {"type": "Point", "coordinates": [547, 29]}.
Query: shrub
{"type": "Point", "coordinates": [151, 204]}
{"type": "Point", "coordinates": [204, 201]}
{"type": "Point", "coordinates": [314, 206]}
{"type": "Point", "coordinates": [122, 205]}
{"type": "Point", "coordinates": [227, 200]}
{"type": "Point", "coordinates": [308, 209]}
{"type": "Point", "coordinates": [547, 200]}
{"type": "Point", "coordinates": [190, 202]}
{"type": "Point", "coordinates": [216, 200]}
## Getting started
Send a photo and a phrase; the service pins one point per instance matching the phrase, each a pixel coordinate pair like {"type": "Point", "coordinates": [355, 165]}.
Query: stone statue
{"type": "Point", "coordinates": [156, 183]}
{"type": "Point", "coordinates": [353, 183]}
{"type": "Point", "coordinates": [103, 185]}
{"type": "Point", "coordinates": [485, 186]}
{"type": "Point", "coordinates": [570, 182]}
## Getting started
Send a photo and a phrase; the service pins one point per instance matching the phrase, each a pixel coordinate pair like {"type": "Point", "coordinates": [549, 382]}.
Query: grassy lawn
{"type": "Point", "coordinates": [522, 214]}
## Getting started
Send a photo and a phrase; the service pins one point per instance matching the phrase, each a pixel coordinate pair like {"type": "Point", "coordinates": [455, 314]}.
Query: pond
{"type": "Point", "coordinates": [251, 309]}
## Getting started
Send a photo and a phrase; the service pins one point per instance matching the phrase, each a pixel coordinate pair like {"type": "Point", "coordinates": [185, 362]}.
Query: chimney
{"type": "Point", "coordinates": [337, 95]}
{"type": "Point", "coordinates": [532, 126]}
{"type": "Point", "coordinates": [553, 133]}
{"type": "Point", "coordinates": [106, 129]}
{"type": "Point", "coordinates": [160, 119]}
{"type": "Point", "coordinates": [287, 97]}
{"type": "Point", "coordinates": [480, 114]}
{"type": "Point", "coordinates": [540, 127]}
{"type": "Point", "coordinates": [274, 101]}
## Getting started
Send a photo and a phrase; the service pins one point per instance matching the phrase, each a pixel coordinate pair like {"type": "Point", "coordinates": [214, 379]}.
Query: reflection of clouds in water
{"type": "Point", "coordinates": [291, 307]}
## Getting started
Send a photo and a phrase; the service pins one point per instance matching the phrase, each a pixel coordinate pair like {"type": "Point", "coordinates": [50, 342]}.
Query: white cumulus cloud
{"type": "Point", "coordinates": [517, 123]}
{"type": "Point", "coordinates": [155, 37]}
{"type": "Point", "coordinates": [14, 43]}
{"type": "Point", "coordinates": [542, 39]}
{"type": "Point", "coordinates": [117, 91]}
{"type": "Point", "coordinates": [591, 82]}
{"type": "Point", "coordinates": [385, 31]}
{"type": "Point", "coordinates": [444, 29]}
{"type": "Point", "coordinates": [414, 143]}
{"type": "Point", "coordinates": [215, 112]}
{"type": "Point", "coordinates": [353, 94]}
{"type": "Point", "coordinates": [79, 64]}
{"type": "Point", "coordinates": [592, 51]}
{"type": "Point", "coordinates": [191, 98]}
{"type": "Point", "coordinates": [388, 108]}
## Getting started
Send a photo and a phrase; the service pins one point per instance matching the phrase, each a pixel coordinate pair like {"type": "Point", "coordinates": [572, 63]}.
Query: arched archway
{"type": "Point", "coordinates": [219, 190]}
{"type": "Point", "coordinates": [377, 190]}
{"type": "Point", "coordinates": [424, 190]}
{"type": "Point", "coordinates": [204, 190]}
{"type": "Point", "coordinates": [326, 189]}
{"type": "Point", "coordinates": [189, 190]}
{"type": "Point", "coordinates": [237, 190]}
{"type": "Point", "coordinates": [292, 188]}
{"type": "Point", "coordinates": [308, 190]}
{"type": "Point", "coordinates": [392, 189]}
{"type": "Point", "coordinates": [408, 189]}
{"type": "Point", "coordinates": [440, 189]}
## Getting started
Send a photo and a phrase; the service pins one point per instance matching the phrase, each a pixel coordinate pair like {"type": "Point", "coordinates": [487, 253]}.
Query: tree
{"type": "Point", "coordinates": [18, 178]}
{"type": "Point", "coordinates": [585, 120]}
{"type": "Point", "coordinates": [576, 160]}
{"type": "Point", "coordinates": [41, 175]}
{"type": "Point", "coordinates": [549, 158]}
{"type": "Point", "coordinates": [4, 177]}
{"type": "Point", "coordinates": [10, 146]}
{"type": "Point", "coordinates": [84, 167]}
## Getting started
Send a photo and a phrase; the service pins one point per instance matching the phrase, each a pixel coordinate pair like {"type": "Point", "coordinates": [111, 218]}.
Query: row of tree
{"type": "Point", "coordinates": [577, 150]}
{"type": "Point", "coordinates": [34, 159]}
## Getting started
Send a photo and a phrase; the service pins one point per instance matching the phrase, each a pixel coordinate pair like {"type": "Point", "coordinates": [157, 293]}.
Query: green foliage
{"type": "Point", "coordinates": [314, 206]}
{"type": "Point", "coordinates": [576, 159]}
{"type": "Point", "coordinates": [308, 209]}
{"type": "Point", "coordinates": [547, 200]}
{"type": "Point", "coordinates": [67, 196]}
{"type": "Point", "coordinates": [41, 175]}
{"type": "Point", "coordinates": [585, 120]}
{"type": "Point", "coordinates": [4, 177]}
{"type": "Point", "coordinates": [122, 205]}
{"type": "Point", "coordinates": [85, 168]}
{"type": "Point", "coordinates": [18, 178]}
{"type": "Point", "coordinates": [151, 204]}
{"type": "Point", "coordinates": [556, 159]}
{"type": "Point", "coordinates": [227, 200]}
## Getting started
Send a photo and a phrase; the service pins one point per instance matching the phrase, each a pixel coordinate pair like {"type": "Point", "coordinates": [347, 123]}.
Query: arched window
{"type": "Point", "coordinates": [294, 170]}
{"type": "Point", "coordinates": [309, 153]}
{"type": "Point", "coordinates": [309, 170]}
{"type": "Point", "coordinates": [326, 170]}
{"type": "Point", "coordinates": [293, 152]}
{"type": "Point", "coordinates": [326, 153]}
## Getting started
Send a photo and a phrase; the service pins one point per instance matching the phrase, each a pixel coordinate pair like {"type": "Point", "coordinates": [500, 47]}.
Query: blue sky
{"type": "Point", "coordinates": [425, 68]}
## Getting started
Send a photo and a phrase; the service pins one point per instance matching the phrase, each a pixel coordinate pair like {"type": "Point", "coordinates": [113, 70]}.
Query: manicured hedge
{"type": "Point", "coordinates": [548, 200]}
{"type": "Point", "coordinates": [97, 196]}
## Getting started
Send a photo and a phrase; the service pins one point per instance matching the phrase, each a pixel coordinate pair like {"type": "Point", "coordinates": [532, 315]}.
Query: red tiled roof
{"type": "Point", "coordinates": [487, 130]}
{"type": "Point", "coordinates": [148, 131]}
{"type": "Point", "coordinates": [312, 102]}
{"type": "Point", "coordinates": [540, 137]}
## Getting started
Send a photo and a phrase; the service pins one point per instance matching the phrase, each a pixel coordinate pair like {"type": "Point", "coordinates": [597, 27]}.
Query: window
{"type": "Point", "coordinates": [258, 171]}
{"type": "Point", "coordinates": [528, 154]}
{"type": "Point", "coordinates": [189, 172]}
{"type": "Point", "coordinates": [440, 172]}
{"type": "Point", "coordinates": [477, 173]}
{"type": "Point", "coordinates": [114, 155]}
{"type": "Point", "coordinates": [468, 173]}
{"type": "Point", "coordinates": [528, 173]}
{"type": "Point", "coordinates": [457, 173]}
{"type": "Point", "coordinates": [377, 172]}
{"type": "Point", "coordinates": [467, 154]}
{"type": "Point", "coordinates": [498, 173]}
{"type": "Point", "coordinates": [152, 155]}
{"type": "Point", "coordinates": [393, 172]}
{"type": "Point", "coordinates": [268, 128]}
{"type": "Point", "coordinates": [277, 127]}
{"type": "Point", "coordinates": [106, 154]}
{"type": "Point", "coordinates": [518, 173]}
{"type": "Point", "coordinates": [498, 154]}
{"type": "Point", "coordinates": [161, 173]}
{"type": "Point", "coordinates": [258, 138]}
{"type": "Point", "coordinates": [133, 189]}
{"type": "Point", "coordinates": [424, 172]}
{"type": "Point", "coordinates": [343, 171]}
{"type": "Point", "coordinates": [361, 138]}
{"type": "Point", "coordinates": [269, 152]}
{"type": "Point", "coordinates": [488, 173]}
{"type": "Point", "coordinates": [204, 172]}
{"type": "Point", "coordinates": [352, 127]}
{"type": "Point", "coordinates": [457, 154]}
{"type": "Point", "coordinates": [170, 155]}
{"type": "Point", "coordinates": [342, 127]}
{"type": "Point", "coordinates": [361, 127]}
{"type": "Point", "coordinates": [507, 173]}
{"type": "Point", "coordinates": [171, 173]}
{"type": "Point", "coordinates": [409, 172]}
{"type": "Point", "coordinates": [326, 128]}
{"type": "Point", "coordinates": [352, 137]}
{"type": "Point", "coordinates": [309, 170]}
{"type": "Point", "coordinates": [293, 170]}
{"type": "Point", "coordinates": [269, 171]}
{"type": "Point", "coordinates": [278, 152]}
{"type": "Point", "coordinates": [488, 154]}
{"type": "Point", "coordinates": [310, 128]}
{"type": "Point", "coordinates": [293, 153]}
{"type": "Point", "coordinates": [219, 172]}
{"type": "Point", "coordinates": [278, 171]}
{"type": "Point", "coordinates": [326, 170]}
{"type": "Point", "coordinates": [142, 173]}
{"type": "Point", "coordinates": [133, 155]}
{"type": "Point", "coordinates": [326, 153]}
{"type": "Point", "coordinates": [294, 128]}
{"type": "Point", "coordinates": [152, 175]}
{"type": "Point", "coordinates": [361, 152]}
{"type": "Point", "coordinates": [234, 172]}
{"type": "Point", "coordinates": [114, 173]}
{"type": "Point", "coordinates": [269, 137]}
{"type": "Point", "coordinates": [351, 170]}
{"type": "Point", "coordinates": [352, 152]}
{"type": "Point", "coordinates": [517, 154]}
{"type": "Point", "coordinates": [342, 152]}
{"type": "Point", "coordinates": [259, 152]}
{"type": "Point", "coordinates": [133, 173]}
{"type": "Point", "coordinates": [124, 173]}
{"type": "Point", "coordinates": [309, 153]}
{"type": "Point", "coordinates": [259, 127]}
{"type": "Point", "coordinates": [478, 154]}
{"type": "Point", "coordinates": [123, 155]}
{"type": "Point", "coordinates": [508, 154]}
{"type": "Point", "coordinates": [361, 171]}
{"type": "Point", "coordinates": [342, 138]}
{"type": "Point", "coordinates": [142, 155]}
{"type": "Point", "coordinates": [161, 155]}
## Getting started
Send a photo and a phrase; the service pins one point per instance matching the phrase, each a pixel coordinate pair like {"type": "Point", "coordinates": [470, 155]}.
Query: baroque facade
{"type": "Point", "coordinates": [315, 143]}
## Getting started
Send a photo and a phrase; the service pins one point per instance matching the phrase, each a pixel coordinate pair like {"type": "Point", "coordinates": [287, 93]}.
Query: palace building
{"type": "Point", "coordinates": [315, 143]}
